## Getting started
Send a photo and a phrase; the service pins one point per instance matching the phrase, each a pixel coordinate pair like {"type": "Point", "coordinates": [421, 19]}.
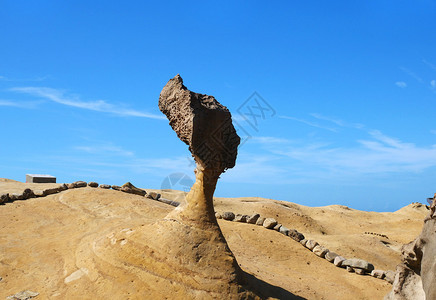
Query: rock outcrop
{"type": "Point", "coordinates": [191, 256]}
{"type": "Point", "coordinates": [415, 278]}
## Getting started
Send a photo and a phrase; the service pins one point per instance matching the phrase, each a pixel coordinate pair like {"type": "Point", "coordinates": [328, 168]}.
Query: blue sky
{"type": "Point", "coordinates": [350, 88]}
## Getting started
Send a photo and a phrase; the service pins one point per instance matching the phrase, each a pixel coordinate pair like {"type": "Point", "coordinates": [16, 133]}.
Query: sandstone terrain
{"type": "Point", "coordinates": [91, 243]}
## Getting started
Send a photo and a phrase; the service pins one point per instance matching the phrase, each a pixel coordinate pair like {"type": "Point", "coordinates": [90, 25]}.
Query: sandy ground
{"type": "Point", "coordinates": [43, 243]}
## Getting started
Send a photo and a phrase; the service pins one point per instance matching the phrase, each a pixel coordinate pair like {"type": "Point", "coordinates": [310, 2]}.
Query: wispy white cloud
{"type": "Point", "coordinates": [376, 154]}
{"type": "Point", "coordinates": [105, 150]}
{"type": "Point", "coordinates": [337, 121]}
{"type": "Point", "coordinates": [34, 79]}
{"type": "Point", "coordinates": [411, 74]}
{"type": "Point", "coordinates": [433, 84]}
{"type": "Point", "coordinates": [28, 105]}
{"type": "Point", "coordinates": [401, 84]}
{"type": "Point", "coordinates": [269, 140]}
{"type": "Point", "coordinates": [310, 123]}
{"type": "Point", "coordinates": [429, 64]}
{"type": "Point", "coordinates": [59, 96]}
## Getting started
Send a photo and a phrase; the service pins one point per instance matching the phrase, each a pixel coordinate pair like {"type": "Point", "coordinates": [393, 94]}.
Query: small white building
{"type": "Point", "coordinates": [40, 178]}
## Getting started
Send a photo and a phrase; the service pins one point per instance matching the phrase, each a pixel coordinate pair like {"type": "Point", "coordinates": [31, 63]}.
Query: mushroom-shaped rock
{"type": "Point", "coordinates": [187, 249]}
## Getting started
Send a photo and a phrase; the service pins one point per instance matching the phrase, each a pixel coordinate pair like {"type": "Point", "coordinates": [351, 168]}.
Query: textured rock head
{"type": "Point", "coordinates": [202, 123]}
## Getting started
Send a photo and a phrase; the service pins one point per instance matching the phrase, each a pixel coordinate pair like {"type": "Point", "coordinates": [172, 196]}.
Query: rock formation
{"type": "Point", "coordinates": [206, 127]}
{"type": "Point", "coordinates": [416, 276]}
{"type": "Point", "coordinates": [186, 251]}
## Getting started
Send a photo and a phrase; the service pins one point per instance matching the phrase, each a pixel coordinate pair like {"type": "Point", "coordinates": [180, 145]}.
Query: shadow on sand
{"type": "Point", "coordinates": [266, 290]}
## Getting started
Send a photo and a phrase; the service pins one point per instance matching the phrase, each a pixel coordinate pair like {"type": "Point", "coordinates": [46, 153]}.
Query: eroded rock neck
{"type": "Point", "coordinates": [198, 207]}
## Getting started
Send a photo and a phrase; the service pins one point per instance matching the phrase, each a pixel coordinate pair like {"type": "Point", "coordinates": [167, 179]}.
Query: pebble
{"type": "Point", "coordinates": [153, 195]}
{"type": "Point", "coordinates": [253, 219]}
{"type": "Point", "coordinates": [4, 198]}
{"type": "Point", "coordinates": [269, 223]}
{"type": "Point", "coordinates": [240, 218]}
{"type": "Point", "coordinates": [380, 274]}
{"type": "Point", "coordinates": [330, 256]}
{"type": "Point", "coordinates": [105, 186]}
{"type": "Point", "coordinates": [359, 271]}
{"type": "Point", "coordinates": [320, 250]}
{"type": "Point", "coordinates": [284, 230]}
{"type": "Point", "coordinates": [358, 263]}
{"type": "Point", "coordinates": [260, 221]}
{"type": "Point", "coordinates": [218, 215]}
{"type": "Point", "coordinates": [295, 235]}
{"type": "Point", "coordinates": [338, 261]}
{"type": "Point", "coordinates": [228, 215]}
{"type": "Point", "coordinates": [277, 227]}
{"type": "Point", "coordinates": [310, 244]}
{"type": "Point", "coordinates": [80, 184]}
{"type": "Point", "coordinates": [350, 269]}
{"type": "Point", "coordinates": [93, 184]}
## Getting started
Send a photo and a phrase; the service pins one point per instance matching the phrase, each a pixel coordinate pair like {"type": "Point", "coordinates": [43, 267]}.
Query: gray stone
{"type": "Point", "coordinates": [253, 219]}
{"type": "Point", "coordinates": [116, 187]}
{"type": "Point", "coordinates": [228, 216]}
{"type": "Point", "coordinates": [358, 263]}
{"type": "Point", "coordinates": [131, 189]}
{"type": "Point", "coordinates": [295, 235]}
{"type": "Point", "coordinates": [93, 184]}
{"type": "Point", "coordinates": [302, 242]}
{"type": "Point", "coordinates": [4, 198]}
{"type": "Point", "coordinates": [260, 221]}
{"type": "Point", "coordinates": [23, 295]}
{"type": "Point", "coordinates": [350, 269]}
{"type": "Point", "coordinates": [277, 227]}
{"type": "Point", "coordinates": [218, 215]}
{"type": "Point", "coordinates": [80, 184]}
{"type": "Point", "coordinates": [269, 223]}
{"type": "Point", "coordinates": [105, 186]}
{"type": "Point", "coordinates": [240, 218]}
{"type": "Point", "coordinates": [284, 230]}
{"type": "Point", "coordinates": [380, 274]}
{"type": "Point", "coordinates": [320, 250]}
{"type": "Point", "coordinates": [310, 244]}
{"type": "Point", "coordinates": [330, 256]}
{"type": "Point", "coordinates": [338, 261]}
{"type": "Point", "coordinates": [40, 178]}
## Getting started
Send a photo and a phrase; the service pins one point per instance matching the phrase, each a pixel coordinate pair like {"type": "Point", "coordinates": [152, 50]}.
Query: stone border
{"type": "Point", "coordinates": [126, 188]}
{"type": "Point", "coordinates": [355, 265]}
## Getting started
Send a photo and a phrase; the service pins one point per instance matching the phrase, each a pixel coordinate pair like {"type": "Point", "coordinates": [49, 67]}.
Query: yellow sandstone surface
{"type": "Point", "coordinates": [92, 243]}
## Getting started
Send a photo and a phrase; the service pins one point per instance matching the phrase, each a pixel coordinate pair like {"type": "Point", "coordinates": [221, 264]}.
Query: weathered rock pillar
{"type": "Point", "coordinates": [206, 127]}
